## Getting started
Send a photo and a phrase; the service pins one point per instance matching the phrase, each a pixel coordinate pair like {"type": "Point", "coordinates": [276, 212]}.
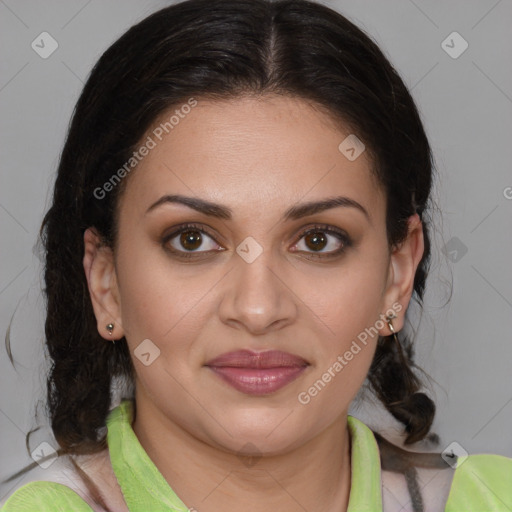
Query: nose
{"type": "Point", "coordinates": [257, 296]}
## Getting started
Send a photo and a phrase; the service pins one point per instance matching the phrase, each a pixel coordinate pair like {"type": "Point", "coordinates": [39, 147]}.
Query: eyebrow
{"type": "Point", "coordinates": [295, 212]}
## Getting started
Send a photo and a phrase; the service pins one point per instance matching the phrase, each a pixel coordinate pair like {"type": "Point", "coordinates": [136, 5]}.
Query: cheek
{"type": "Point", "coordinates": [346, 300]}
{"type": "Point", "coordinates": [348, 307]}
{"type": "Point", "coordinates": [165, 302]}
{"type": "Point", "coordinates": [343, 361]}
{"type": "Point", "coordinates": [149, 290]}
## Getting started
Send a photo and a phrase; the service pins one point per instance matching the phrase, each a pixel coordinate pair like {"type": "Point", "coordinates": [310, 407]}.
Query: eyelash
{"type": "Point", "coordinates": [322, 228]}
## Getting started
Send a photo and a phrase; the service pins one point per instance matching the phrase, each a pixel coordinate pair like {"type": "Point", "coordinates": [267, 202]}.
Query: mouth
{"type": "Point", "coordinates": [258, 373]}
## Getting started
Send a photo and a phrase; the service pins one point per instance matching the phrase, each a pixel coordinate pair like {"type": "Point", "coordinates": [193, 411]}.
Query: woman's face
{"type": "Point", "coordinates": [246, 277]}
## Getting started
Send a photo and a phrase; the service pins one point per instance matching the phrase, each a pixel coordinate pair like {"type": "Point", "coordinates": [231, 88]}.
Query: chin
{"type": "Point", "coordinates": [253, 434]}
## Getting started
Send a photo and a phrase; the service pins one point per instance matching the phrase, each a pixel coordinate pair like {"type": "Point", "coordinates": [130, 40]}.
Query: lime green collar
{"type": "Point", "coordinates": [144, 488]}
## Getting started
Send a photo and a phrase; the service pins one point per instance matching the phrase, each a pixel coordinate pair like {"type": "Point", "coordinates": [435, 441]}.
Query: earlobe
{"type": "Point", "coordinates": [404, 263]}
{"type": "Point", "coordinates": [99, 268]}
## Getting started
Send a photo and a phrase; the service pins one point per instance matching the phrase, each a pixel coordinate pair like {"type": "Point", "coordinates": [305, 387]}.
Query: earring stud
{"type": "Point", "coordinates": [110, 328]}
{"type": "Point", "coordinates": [390, 324]}
{"type": "Point", "coordinates": [389, 319]}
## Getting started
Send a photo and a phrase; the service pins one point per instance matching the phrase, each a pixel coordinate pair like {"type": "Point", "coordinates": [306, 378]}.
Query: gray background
{"type": "Point", "coordinates": [464, 342]}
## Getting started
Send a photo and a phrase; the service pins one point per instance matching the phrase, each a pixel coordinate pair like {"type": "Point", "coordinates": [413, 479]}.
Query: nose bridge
{"type": "Point", "coordinates": [256, 295]}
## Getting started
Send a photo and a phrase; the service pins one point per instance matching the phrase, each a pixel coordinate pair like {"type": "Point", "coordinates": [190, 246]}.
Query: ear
{"type": "Point", "coordinates": [402, 268]}
{"type": "Point", "coordinates": [100, 272]}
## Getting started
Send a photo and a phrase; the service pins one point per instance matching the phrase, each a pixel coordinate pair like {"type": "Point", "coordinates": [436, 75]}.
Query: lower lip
{"type": "Point", "coordinates": [253, 381]}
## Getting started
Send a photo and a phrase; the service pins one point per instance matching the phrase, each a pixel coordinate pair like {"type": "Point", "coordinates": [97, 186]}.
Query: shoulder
{"type": "Point", "coordinates": [62, 488]}
{"type": "Point", "coordinates": [482, 482]}
{"type": "Point", "coordinates": [45, 497]}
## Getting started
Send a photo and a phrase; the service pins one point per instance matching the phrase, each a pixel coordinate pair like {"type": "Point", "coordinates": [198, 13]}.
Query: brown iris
{"type": "Point", "coordinates": [316, 240]}
{"type": "Point", "coordinates": [191, 239]}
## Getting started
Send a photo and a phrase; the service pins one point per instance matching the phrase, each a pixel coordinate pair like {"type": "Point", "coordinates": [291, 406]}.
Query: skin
{"type": "Point", "coordinates": [257, 156]}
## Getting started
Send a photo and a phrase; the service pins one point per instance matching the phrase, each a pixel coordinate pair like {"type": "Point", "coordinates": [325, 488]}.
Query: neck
{"type": "Point", "coordinates": [314, 476]}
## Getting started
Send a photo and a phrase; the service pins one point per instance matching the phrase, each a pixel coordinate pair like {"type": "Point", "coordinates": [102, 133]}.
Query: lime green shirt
{"type": "Point", "coordinates": [482, 483]}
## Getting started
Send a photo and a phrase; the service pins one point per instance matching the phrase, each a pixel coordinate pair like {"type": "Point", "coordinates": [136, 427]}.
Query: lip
{"type": "Point", "coordinates": [251, 359]}
{"type": "Point", "coordinates": [258, 373]}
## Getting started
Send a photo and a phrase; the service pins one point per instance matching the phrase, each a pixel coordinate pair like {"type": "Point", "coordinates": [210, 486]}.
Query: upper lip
{"type": "Point", "coordinates": [251, 359]}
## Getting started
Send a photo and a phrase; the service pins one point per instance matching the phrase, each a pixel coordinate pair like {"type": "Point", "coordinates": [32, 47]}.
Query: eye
{"type": "Point", "coordinates": [321, 237]}
{"type": "Point", "coordinates": [319, 241]}
{"type": "Point", "coordinates": [188, 240]}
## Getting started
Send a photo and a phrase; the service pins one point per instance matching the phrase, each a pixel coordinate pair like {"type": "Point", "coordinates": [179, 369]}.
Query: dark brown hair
{"type": "Point", "coordinates": [221, 50]}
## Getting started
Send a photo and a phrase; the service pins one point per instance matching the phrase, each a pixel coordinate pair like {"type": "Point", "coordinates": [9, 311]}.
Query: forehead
{"type": "Point", "coordinates": [250, 153]}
